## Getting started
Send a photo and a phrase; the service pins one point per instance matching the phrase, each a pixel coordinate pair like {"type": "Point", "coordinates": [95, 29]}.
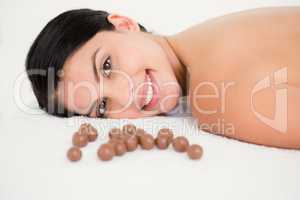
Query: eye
{"type": "Point", "coordinates": [106, 67]}
{"type": "Point", "coordinates": [101, 107]}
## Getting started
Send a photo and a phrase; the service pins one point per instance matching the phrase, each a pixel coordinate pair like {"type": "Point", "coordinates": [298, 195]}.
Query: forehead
{"type": "Point", "coordinates": [77, 80]}
{"type": "Point", "coordinates": [82, 56]}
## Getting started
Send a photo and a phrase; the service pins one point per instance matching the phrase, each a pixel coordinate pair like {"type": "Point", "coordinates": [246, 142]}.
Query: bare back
{"type": "Point", "coordinates": [245, 75]}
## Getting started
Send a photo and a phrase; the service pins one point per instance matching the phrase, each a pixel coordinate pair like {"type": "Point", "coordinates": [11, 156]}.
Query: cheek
{"type": "Point", "coordinates": [129, 60]}
{"type": "Point", "coordinates": [79, 97]}
{"type": "Point", "coordinates": [135, 53]}
{"type": "Point", "coordinates": [82, 99]}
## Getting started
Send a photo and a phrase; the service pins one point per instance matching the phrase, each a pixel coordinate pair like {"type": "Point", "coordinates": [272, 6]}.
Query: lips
{"type": "Point", "coordinates": [144, 88]}
{"type": "Point", "coordinates": [142, 94]}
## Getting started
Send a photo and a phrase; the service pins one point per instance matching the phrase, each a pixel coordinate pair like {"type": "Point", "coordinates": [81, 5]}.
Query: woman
{"type": "Point", "coordinates": [239, 71]}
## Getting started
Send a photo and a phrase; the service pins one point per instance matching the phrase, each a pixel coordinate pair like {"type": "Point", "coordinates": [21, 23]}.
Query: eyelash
{"type": "Point", "coordinates": [101, 105]}
{"type": "Point", "coordinates": [106, 63]}
{"type": "Point", "coordinates": [102, 102]}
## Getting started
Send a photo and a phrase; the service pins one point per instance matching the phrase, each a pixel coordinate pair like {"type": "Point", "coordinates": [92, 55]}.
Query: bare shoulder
{"type": "Point", "coordinates": [226, 40]}
{"type": "Point", "coordinates": [228, 56]}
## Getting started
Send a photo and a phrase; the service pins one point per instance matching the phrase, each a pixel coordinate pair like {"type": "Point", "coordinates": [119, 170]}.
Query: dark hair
{"type": "Point", "coordinates": [59, 39]}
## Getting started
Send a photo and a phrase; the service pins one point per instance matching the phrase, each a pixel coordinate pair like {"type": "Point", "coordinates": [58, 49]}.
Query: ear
{"type": "Point", "coordinates": [123, 23]}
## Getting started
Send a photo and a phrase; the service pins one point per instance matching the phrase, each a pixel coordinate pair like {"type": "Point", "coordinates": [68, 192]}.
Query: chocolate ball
{"type": "Point", "coordinates": [129, 129]}
{"type": "Point", "coordinates": [85, 124]}
{"type": "Point", "coordinates": [89, 130]}
{"type": "Point", "coordinates": [119, 147]}
{"type": "Point", "coordinates": [92, 134]}
{"type": "Point", "coordinates": [131, 143]}
{"type": "Point", "coordinates": [139, 133]}
{"type": "Point", "coordinates": [106, 152]}
{"type": "Point", "coordinates": [115, 133]}
{"type": "Point", "coordinates": [74, 154]}
{"type": "Point", "coordinates": [162, 141]}
{"type": "Point", "coordinates": [168, 132]}
{"type": "Point", "coordinates": [180, 144]}
{"type": "Point", "coordinates": [195, 151]}
{"type": "Point", "coordinates": [84, 128]}
{"type": "Point", "coordinates": [147, 141]}
{"type": "Point", "coordinates": [80, 139]}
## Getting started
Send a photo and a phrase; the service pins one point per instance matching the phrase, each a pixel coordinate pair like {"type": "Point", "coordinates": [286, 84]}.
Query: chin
{"type": "Point", "coordinates": [169, 105]}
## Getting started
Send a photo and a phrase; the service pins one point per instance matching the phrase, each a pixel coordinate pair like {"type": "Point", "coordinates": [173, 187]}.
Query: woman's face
{"type": "Point", "coordinates": [117, 72]}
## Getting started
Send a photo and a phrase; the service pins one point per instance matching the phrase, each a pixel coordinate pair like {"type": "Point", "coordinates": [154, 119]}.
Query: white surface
{"type": "Point", "coordinates": [33, 163]}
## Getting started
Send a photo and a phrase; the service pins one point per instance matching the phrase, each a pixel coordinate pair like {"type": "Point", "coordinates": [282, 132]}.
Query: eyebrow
{"type": "Point", "coordinates": [93, 59]}
{"type": "Point", "coordinates": [96, 76]}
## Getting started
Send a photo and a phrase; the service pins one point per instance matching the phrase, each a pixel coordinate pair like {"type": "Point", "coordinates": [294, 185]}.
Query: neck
{"type": "Point", "coordinates": [178, 67]}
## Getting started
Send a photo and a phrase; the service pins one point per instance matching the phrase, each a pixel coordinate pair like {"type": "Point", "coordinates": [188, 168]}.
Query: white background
{"type": "Point", "coordinates": [32, 147]}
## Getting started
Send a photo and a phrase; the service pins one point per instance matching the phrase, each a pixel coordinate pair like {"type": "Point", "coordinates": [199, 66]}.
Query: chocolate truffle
{"type": "Point", "coordinates": [162, 141]}
{"type": "Point", "coordinates": [85, 125]}
{"type": "Point", "coordinates": [74, 154]}
{"type": "Point", "coordinates": [195, 151]}
{"type": "Point", "coordinates": [80, 139]}
{"type": "Point", "coordinates": [139, 133]}
{"type": "Point", "coordinates": [106, 152]}
{"type": "Point", "coordinates": [119, 147]}
{"type": "Point", "coordinates": [84, 128]}
{"type": "Point", "coordinates": [180, 144]}
{"type": "Point", "coordinates": [129, 129]}
{"type": "Point", "coordinates": [115, 133]}
{"type": "Point", "coordinates": [131, 143]}
{"type": "Point", "coordinates": [92, 134]}
{"type": "Point", "coordinates": [147, 141]}
{"type": "Point", "coordinates": [168, 132]}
